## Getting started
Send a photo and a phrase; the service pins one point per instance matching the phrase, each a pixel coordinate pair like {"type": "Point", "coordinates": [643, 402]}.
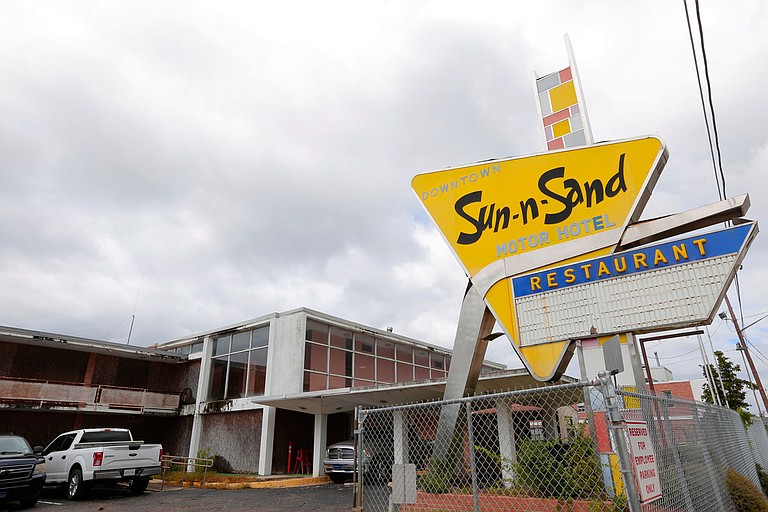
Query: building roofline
{"type": "Point", "coordinates": [42, 338]}
{"type": "Point", "coordinates": [322, 316]}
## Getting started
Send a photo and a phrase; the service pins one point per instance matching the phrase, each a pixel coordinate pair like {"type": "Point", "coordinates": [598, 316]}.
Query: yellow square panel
{"type": "Point", "coordinates": [563, 96]}
{"type": "Point", "coordinates": [561, 128]}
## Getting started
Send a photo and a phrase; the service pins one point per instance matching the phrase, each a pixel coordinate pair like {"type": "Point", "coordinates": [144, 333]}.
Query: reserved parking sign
{"type": "Point", "coordinates": [643, 457]}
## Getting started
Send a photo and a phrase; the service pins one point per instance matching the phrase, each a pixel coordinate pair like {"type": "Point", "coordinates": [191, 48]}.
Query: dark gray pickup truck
{"type": "Point", "coordinates": [22, 471]}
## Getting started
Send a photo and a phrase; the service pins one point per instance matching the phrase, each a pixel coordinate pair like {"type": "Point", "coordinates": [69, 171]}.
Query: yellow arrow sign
{"type": "Point", "coordinates": [505, 217]}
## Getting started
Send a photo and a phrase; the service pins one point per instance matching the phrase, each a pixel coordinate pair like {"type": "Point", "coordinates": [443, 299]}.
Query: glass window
{"type": "Point", "coordinates": [385, 371]}
{"type": "Point", "coordinates": [364, 343]}
{"type": "Point", "coordinates": [61, 443]}
{"type": "Point", "coordinates": [404, 353]}
{"type": "Point", "coordinates": [317, 331]}
{"type": "Point", "coordinates": [365, 367]}
{"type": "Point", "coordinates": [241, 341]}
{"type": "Point", "coordinates": [221, 346]}
{"type": "Point", "coordinates": [315, 381]}
{"type": "Point", "coordinates": [340, 362]}
{"type": "Point", "coordinates": [335, 382]}
{"type": "Point", "coordinates": [341, 338]}
{"type": "Point", "coordinates": [385, 348]}
{"type": "Point", "coordinates": [438, 374]}
{"type": "Point", "coordinates": [421, 373]}
{"type": "Point", "coordinates": [436, 361]}
{"type": "Point", "coordinates": [238, 366]}
{"type": "Point", "coordinates": [237, 370]}
{"type": "Point", "coordinates": [260, 337]}
{"type": "Point", "coordinates": [257, 372]}
{"type": "Point", "coordinates": [316, 357]}
{"type": "Point", "coordinates": [218, 376]}
{"type": "Point", "coordinates": [404, 372]}
{"type": "Point", "coordinates": [359, 383]}
{"type": "Point", "coordinates": [421, 357]}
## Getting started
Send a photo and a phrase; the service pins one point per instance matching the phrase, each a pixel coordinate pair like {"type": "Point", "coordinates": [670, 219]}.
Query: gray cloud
{"type": "Point", "coordinates": [198, 165]}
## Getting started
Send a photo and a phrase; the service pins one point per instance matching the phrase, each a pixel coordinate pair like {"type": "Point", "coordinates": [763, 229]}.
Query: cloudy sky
{"type": "Point", "coordinates": [197, 164]}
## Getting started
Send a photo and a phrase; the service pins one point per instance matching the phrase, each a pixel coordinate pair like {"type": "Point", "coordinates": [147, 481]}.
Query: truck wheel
{"type": "Point", "coordinates": [338, 478]}
{"type": "Point", "coordinates": [138, 485]}
{"type": "Point", "coordinates": [76, 488]}
{"type": "Point", "coordinates": [29, 501]}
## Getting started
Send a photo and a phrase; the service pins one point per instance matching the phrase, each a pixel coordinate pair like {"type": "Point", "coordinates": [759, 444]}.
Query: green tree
{"type": "Point", "coordinates": [735, 394]}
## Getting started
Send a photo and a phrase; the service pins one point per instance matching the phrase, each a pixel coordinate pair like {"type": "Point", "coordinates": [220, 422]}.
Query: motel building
{"type": "Point", "coordinates": [247, 392]}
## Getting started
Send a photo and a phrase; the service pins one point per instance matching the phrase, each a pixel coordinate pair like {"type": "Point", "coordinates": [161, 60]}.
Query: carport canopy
{"type": "Point", "coordinates": [346, 399]}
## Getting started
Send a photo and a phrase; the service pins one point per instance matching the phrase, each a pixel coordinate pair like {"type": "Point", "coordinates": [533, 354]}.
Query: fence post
{"type": "Point", "coordinates": [472, 459]}
{"type": "Point", "coordinates": [357, 476]}
{"type": "Point", "coordinates": [616, 425]}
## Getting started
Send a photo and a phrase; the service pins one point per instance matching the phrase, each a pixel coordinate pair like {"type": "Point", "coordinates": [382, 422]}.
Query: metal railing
{"type": "Point", "coordinates": [189, 465]}
{"type": "Point", "coordinates": [585, 446]}
{"type": "Point", "coordinates": [101, 398]}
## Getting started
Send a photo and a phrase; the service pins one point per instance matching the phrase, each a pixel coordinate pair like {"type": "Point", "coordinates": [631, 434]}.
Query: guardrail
{"type": "Point", "coordinates": [190, 464]}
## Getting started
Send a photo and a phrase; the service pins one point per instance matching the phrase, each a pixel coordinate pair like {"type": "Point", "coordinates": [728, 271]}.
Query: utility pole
{"type": "Point", "coordinates": [758, 384]}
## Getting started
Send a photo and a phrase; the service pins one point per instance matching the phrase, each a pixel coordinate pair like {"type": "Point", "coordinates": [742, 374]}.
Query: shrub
{"type": "Point", "coordinates": [763, 477]}
{"type": "Point", "coordinates": [562, 469]}
{"type": "Point", "coordinates": [745, 496]}
{"type": "Point", "coordinates": [204, 453]}
{"type": "Point", "coordinates": [437, 479]}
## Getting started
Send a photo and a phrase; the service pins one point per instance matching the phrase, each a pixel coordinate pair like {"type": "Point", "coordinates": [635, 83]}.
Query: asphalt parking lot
{"type": "Point", "coordinates": [319, 498]}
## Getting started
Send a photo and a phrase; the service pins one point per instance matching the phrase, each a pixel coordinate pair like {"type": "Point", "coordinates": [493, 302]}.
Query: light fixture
{"type": "Point", "coordinates": [722, 315]}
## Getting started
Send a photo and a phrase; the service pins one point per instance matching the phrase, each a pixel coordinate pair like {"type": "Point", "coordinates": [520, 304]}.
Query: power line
{"type": "Point", "coordinates": [714, 145]}
{"type": "Point", "coordinates": [762, 356]}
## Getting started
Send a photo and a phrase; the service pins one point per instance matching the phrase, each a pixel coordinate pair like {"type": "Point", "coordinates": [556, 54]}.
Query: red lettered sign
{"type": "Point", "coordinates": [643, 457]}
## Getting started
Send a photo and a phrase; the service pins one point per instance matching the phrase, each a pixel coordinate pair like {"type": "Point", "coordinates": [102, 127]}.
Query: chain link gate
{"type": "Point", "coordinates": [551, 448]}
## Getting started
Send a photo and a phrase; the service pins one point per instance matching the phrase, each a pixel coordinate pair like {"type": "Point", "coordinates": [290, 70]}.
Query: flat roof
{"type": "Point", "coordinates": [346, 399]}
{"type": "Point", "coordinates": [347, 324]}
{"type": "Point", "coordinates": [62, 341]}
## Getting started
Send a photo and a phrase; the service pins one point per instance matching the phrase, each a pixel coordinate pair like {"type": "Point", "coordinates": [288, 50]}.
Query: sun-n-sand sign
{"type": "Point", "coordinates": [507, 218]}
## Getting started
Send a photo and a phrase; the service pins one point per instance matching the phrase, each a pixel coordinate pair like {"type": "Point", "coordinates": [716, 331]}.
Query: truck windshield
{"type": "Point", "coordinates": [105, 436]}
{"type": "Point", "coordinates": [13, 444]}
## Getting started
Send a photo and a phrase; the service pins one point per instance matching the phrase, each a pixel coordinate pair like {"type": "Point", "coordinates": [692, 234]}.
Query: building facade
{"type": "Point", "coordinates": [251, 393]}
{"type": "Point", "coordinates": [290, 381]}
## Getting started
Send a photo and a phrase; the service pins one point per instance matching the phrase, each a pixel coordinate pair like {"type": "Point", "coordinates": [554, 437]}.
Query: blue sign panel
{"type": "Point", "coordinates": [646, 259]}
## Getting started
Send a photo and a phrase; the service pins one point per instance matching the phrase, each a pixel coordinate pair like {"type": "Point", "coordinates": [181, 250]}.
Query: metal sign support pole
{"type": "Point", "coordinates": [472, 333]}
{"type": "Point", "coordinates": [617, 426]}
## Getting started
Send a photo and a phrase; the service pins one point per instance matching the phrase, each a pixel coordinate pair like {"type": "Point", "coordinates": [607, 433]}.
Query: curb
{"type": "Point", "coordinates": [264, 484]}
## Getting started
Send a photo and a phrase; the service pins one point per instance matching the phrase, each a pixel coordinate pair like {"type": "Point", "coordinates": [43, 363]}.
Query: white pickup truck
{"type": "Point", "coordinates": [80, 458]}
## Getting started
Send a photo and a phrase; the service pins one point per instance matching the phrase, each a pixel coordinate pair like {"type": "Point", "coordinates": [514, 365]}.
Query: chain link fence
{"type": "Point", "coordinates": [553, 448]}
{"type": "Point", "coordinates": [758, 441]}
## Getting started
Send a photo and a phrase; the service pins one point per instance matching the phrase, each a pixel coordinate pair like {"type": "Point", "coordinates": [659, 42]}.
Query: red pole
{"type": "Point", "coordinates": [290, 446]}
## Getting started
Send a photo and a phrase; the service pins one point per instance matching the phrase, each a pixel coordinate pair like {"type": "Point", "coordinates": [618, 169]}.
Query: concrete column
{"type": "Point", "coordinates": [267, 440]}
{"type": "Point", "coordinates": [505, 418]}
{"type": "Point", "coordinates": [321, 439]}
{"type": "Point", "coordinates": [400, 428]}
{"type": "Point", "coordinates": [203, 385]}
{"type": "Point", "coordinates": [88, 378]}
